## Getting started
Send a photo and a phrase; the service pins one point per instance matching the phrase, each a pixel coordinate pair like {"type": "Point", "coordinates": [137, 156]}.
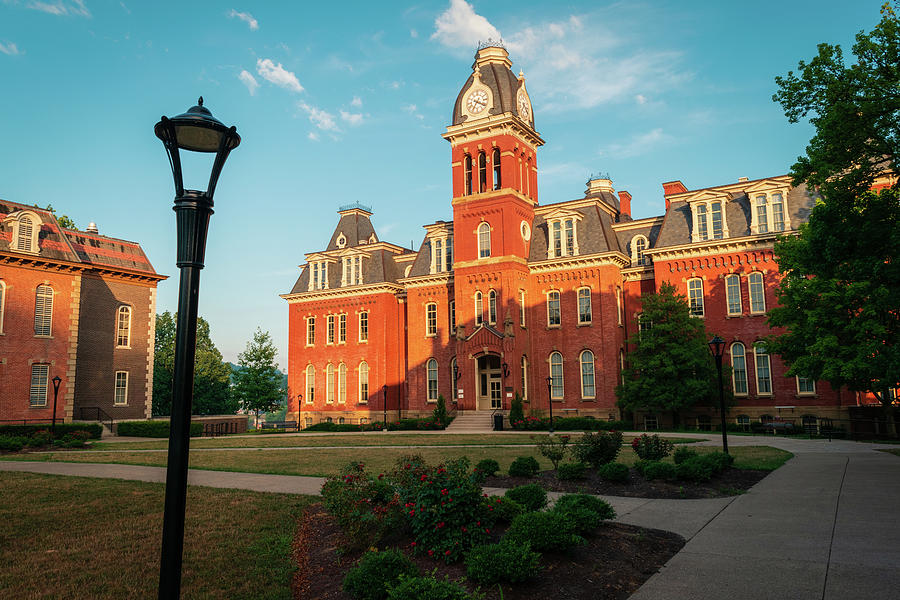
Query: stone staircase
{"type": "Point", "coordinates": [471, 422]}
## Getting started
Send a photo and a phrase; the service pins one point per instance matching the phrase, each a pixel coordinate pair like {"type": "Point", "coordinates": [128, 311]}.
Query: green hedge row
{"type": "Point", "coordinates": [153, 429]}
{"type": "Point", "coordinates": [571, 424]}
{"type": "Point", "coordinates": [95, 429]}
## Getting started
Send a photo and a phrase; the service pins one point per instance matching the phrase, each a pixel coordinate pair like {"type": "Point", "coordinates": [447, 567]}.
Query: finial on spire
{"type": "Point", "coordinates": [200, 101]}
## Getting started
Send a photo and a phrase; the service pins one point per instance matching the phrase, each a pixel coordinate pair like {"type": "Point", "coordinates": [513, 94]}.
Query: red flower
{"type": "Point", "coordinates": [447, 553]}
{"type": "Point", "coordinates": [431, 553]}
{"type": "Point", "coordinates": [412, 543]}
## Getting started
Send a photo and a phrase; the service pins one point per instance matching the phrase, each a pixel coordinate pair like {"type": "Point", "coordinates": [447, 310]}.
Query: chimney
{"type": "Point", "coordinates": [672, 187]}
{"type": "Point", "coordinates": [92, 228]}
{"type": "Point", "coordinates": [624, 203]}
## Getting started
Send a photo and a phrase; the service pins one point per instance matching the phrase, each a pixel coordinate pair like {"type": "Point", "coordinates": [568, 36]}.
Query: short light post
{"type": "Point", "coordinates": [299, 404]}
{"type": "Point", "coordinates": [56, 381]}
{"type": "Point", "coordinates": [550, 399]}
{"type": "Point", "coordinates": [196, 131]}
{"type": "Point", "coordinates": [717, 347]}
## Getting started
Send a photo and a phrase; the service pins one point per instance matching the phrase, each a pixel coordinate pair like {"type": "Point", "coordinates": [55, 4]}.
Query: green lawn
{"type": "Point", "coordinates": [894, 451]}
{"type": "Point", "coordinates": [77, 537]}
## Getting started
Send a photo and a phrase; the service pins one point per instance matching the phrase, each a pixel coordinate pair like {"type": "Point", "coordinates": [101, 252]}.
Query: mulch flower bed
{"type": "Point", "coordinates": [616, 560]}
{"type": "Point", "coordinates": [728, 483]}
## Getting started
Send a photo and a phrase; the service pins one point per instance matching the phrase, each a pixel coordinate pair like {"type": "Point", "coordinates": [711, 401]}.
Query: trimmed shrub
{"type": "Point", "coordinates": [76, 439]}
{"type": "Point", "coordinates": [658, 470]}
{"type": "Point", "coordinates": [516, 410]}
{"type": "Point", "coordinates": [552, 531]}
{"type": "Point", "coordinates": [651, 447]}
{"type": "Point", "coordinates": [616, 472]}
{"type": "Point", "coordinates": [694, 469]}
{"type": "Point", "coordinates": [440, 412]}
{"type": "Point", "coordinates": [683, 453]}
{"type": "Point", "coordinates": [488, 467]}
{"type": "Point", "coordinates": [504, 509]}
{"type": "Point", "coordinates": [719, 460]}
{"type": "Point", "coordinates": [424, 424]}
{"type": "Point", "coordinates": [505, 561]}
{"type": "Point", "coordinates": [429, 588]}
{"type": "Point", "coordinates": [153, 429]}
{"type": "Point", "coordinates": [42, 437]}
{"type": "Point", "coordinates": [12, 443]}
{"type": "Point", "coordinates": [333, 427]}
{"type": "Point", "coordinates": [570, 471]}
{"type": "Point", "coordinates": [586, 511]}
{"type": "Point", "coordinates": [366, 507]}
{"type": "Point", "coordinates": [95, 429]}
{"type": "Point", "coordinates": [531, 497]}
{"type": "Point", "coordinates": [370, 578]}
{"type": "Point", "coordinates": [524, 466]}
{"type": "Point", "coordinates": [553, 448]}
{"type": "Point", "coordinates": [597, 449]}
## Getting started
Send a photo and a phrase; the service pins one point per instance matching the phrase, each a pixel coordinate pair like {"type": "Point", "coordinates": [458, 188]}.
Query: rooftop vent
{"type": "Point", "coordinates": [92, 228]}
{"type": "Point", "coordinates": [743, 179]}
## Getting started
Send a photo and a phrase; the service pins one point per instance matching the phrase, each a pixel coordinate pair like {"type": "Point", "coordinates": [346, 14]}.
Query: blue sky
{"type": "Point", "coordinates": [339, 102]}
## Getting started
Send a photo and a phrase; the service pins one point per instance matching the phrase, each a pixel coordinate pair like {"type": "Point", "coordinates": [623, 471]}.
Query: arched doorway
{"type": "Point", "coordinates": [489, 382]}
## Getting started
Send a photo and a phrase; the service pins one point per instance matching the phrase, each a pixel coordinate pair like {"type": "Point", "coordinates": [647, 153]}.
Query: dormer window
{"type": "Point", "coordinates": [25, 232]}
{"type": "Point", "coordinates": [441, 254]}
{"type": "Point", "coordinates": [639, 245]}
{"type": "Point", "coordinates": [352, 271]}
{"type": "Point", "coordinates": [709, 220]}
{"type": "Point", "coordinates": [769, 214]}
{"type": "Point", "coordinates": [563, 238]}
{"type": "Point", "coordinates": [318, 279]}
{"type": "Point", "coordinates": [373, 238]}
{"type": "Point", "coordinates": [341, 241]}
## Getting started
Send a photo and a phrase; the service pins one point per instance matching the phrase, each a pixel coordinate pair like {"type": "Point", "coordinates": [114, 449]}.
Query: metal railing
{"type": "Point", "coordinates": [85, 412]}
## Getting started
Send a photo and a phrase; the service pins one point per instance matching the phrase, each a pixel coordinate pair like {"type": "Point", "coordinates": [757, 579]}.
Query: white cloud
{"type": "Point", "coordinates": [278, 75]}
{"type": "Point", "coordinates": [414, 111]}
{"type": "Point", "coordinates": [638, 144]}
{"type": "Point", "coordinates": [60, 8]}
{"type": "Point", "coordinates": [352, 118]}
{"type": "Point", "coordinates": [10, 48]}
{"type": "Point", "coordinates": [413, 33]}
{"type": "Point", "coordinates": [357, 101]}
{"type": "Point", "coordinates": [395, 85]}
{"type": "Point", "coordinates": [640, 99]}
{"type": "Point", "coordinates": [460, 26]}
{"type": "Point", "coordinates": [245, 17]}
{"type": "Point", "coordinates": [250, 81]}
{"type": "Point", "coordinates": [313, 136]}
{"type": "Point", "coordinates": [322, 119]}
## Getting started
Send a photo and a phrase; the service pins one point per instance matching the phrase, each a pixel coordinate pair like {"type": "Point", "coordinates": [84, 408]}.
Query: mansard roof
{"type": "Point", "coordinates": [627, 230]}
{"type": "Point", "coordinates": [492, 69]}
{"type": "Point", "coordinates": [422, 263]}
{"type": "Point", "coordinates": [594, 232]}
{"type": "Point", "coordinates": [355, 227]}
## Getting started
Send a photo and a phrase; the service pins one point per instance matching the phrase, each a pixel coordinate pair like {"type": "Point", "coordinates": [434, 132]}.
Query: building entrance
{"type": "Point", "coordinates": [489, 383]}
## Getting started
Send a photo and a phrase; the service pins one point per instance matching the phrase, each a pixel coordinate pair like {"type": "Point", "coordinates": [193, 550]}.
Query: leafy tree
{"type": "Point", "coordinates": [839, 299]}
{"type": "Point", "coordinates": [64, 221]}
{"type": "Point", "coordinates": [516, 411]}
{"type": "Point", "coordinates": [258, 382]}
{"type": "Point", "coordinates": [212, 392]}
{"type": "Point", "coordinates": [670, 367]}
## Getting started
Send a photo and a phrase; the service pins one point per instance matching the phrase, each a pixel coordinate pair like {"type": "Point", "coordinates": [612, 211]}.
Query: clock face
{"type": "Point", "coordinates": [526, 231]}
{"type": "Point", "coordinates": [477, 101]}
{"type": "Point", "coordinates": [524, 107]}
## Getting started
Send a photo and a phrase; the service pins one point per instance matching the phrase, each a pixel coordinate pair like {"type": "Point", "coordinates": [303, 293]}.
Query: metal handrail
{"type": "Point", "coordinates": [101, 417]}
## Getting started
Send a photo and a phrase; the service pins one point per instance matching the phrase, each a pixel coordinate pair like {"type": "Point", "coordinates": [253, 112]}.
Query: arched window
{"type": "Point", "coordinates": [123, 327]}
{"type": "Point", "coordinates": [363, 382]}
{"type": "Point", "coordinates": [342, 383]}
{"type": "Point", "coordinates": [479, 309]}
{"type": "Point", "coordinates": [553, 316]}
{"type": "Point", "coordinates": [587, 375]}
{"type": "Point", "coordinates": [492, 307]}
{"type": "Point", "coordinates": [43, 310]}
{"type": "Point", "coordinates": [25, 238]}
{"type": "Point", "coordinates": [454, 378]}
{"type": "Point", "coordinates": [484, 240]}
{"type": "Point", "coordinates": [739, 369]}
{"type": "Point", "coordinates": [468, 180]}
{"type": "Point", "coordinates": [329, 384]}
{"type": "Point", "coordinates": [482, 172]}
{"type": "Point", "coordinates": [556, 376]}
{"type": "Point", "coordinates": [733, 293]}
{"type": "Point", "coordinates": [310, 384]}
{"type": "Point", "coordinates": [431, 319]}
{"type": "Point", "coordinates": [584, 306]}
{"type": "Point", "coordinates": [2, 303]}
{"type": "Point", "coordinates": [431, 368]}
{"type": "Point", "coordinates": [757, 293]}
{"type": "Point", "coordinates": [763, 371]}
{"type": "Point", "coordinates": [495, 161]}
{"type": "Point", "coordinates": [639, 245]}
{"type": "Point", "coordinates": [524, 377]}
{"type": "Point", "coordinates": [695, 297]}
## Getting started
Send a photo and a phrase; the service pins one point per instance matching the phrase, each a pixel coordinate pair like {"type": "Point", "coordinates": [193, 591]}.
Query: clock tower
{"type": "Point", "coordinates": [494, 169]}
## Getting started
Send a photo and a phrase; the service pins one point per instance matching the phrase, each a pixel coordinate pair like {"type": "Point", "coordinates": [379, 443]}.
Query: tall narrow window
{"type": "Point", "coordinates": [644, 324]}
{"type": "Point", "coordinates": [43, 310]}
{"type": "Point", "coordinates": [619, 310]}
{"type": "Point", "coordinates": [739, 369]}
{"type": "Point", "coordinates": [522, 308]}
{"type": "Point", "coordinates": [757, 293]}
{"type": "Point", "coordinates": [762, 218]}
{"type": "Point", "coordinates": [479, 309]}
{"type": "Point", "coordinates": [717, 220]}
{"type": "Point", "coordinates": [123, 327]}
{"type": "Point", "coordinates": [695, 297]}
{"type": "Point", "coordinates": [329, 384]}
{"type": "Point", "coordinates": [342, 328]}
{"type": "Point", "coordinates": [310, 331]}
{"type": "Point", "coordinates": [438, 256]}
{"type": "Point", "coordinates": [363, 382]}
{"type": "Point", "coordinates": [315, 276]}
{"type": "Point", "coordinates": [777, 212]}
{"type": "Point", "coordinates": [553, 316]}
{"type": "Point", "coordinates": [587, 375]}
{"type": "Point", "coordinates": [484, 240]}
{"type": "Point", "coordinates": [454, 378]}
{"type": "Point", "coordinates": [557, 238]}
{"type": "Point", "coordinates": [495, 162]}
{"type": "Point", "coordinates": [431, 319]}
{"type": "Point", "coordinates": [310, 384]}
{"type": "Point", "coordinates": [640, 245]}
{"type": "Point", "coordinates": [763, 371]}
{"type": "Point", "coordinates": [329, 329]}
{"type": "Point", "coordinates": [120, 395]}
{"type": "Point", "coordinates": [26, 235]}
{"type": "Point", "coordinates": [524, 377]}
{"type": "Point", "coordinates": [492, 307]}
{"type": "Point", "coordinates": [364, 326]}
{"type": "Point", "coordinates": [570, 237]}
{"type": "Point", "coordinates": [40, 376]}
{"type": "Point", "coordinates": [584, 306]}
{"type": "Point", "coordinates": [448, 254]}
{"type": "Point", "coordinates": [342, 383]}
{"type": "Point", "coordinates": [468, 177]}
{"type": "Point", "coordinates": [556, 376]}
{"type": "Point", "coordinates": [806, 386]}
{"type": "Point", "coordinates": [432, 373]}
{"type": "Point", "coordinates": [452, 310]}
{"type": "Point", "coordinates": [482, 172]}
{"type": "Point", "coordinates": [702, 228]}
{"type": "Point", "coordinates": [733, 293]}
{"type": "Point", "coordinates": [2, 301]}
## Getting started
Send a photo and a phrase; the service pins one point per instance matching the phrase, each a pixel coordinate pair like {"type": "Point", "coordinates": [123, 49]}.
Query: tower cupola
{"type": "Point", "coordinates": [492, 89]}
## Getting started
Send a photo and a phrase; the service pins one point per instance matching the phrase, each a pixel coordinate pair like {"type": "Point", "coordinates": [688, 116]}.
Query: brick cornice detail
{"type": "Point", "coordinates": [388, 288]}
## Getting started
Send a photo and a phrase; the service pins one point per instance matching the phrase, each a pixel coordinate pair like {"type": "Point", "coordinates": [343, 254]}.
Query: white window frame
{"type": "Point", "coordinates": [695, 301]}
{"type": "Point", "coordinates": [521, 308]}
{"type": "Point", "coordinates": [557, 392]}
{"type": "Point", "coordinates": [585, 375]}
{"type": "Point", "coordinates": [2, 303]}
{"type": "Point", "coordinates": [329, 330]}
{"type": "Point", "coordinates": [43, 321]}
{"type": "Point", "coordinates": [431, 319]}
{"type": "Point", "coordinates": [441, 254]}
{"type": "Point", "coordinates": [567, 228]}
{"type": "Point", "coordinates": [431, 378]}
{"type": "Point", "coordinates": [558, 302]}
{"type": "Point", "coordinates": [639, 245]}
{"type": "Point", "coordinates": [451, 313]}
{"type": "Point", "coordinates": [479, 308]}
{"type": "Point", "coordinates": [732, 277]}
{"type": "Point", "coordinates": [759, 296]}
{"type": "Point", "coordinates": [483, 237]}
{"type": "Point", "coordinates": [454, 373]}
{"type": "Point", "coordinates": [619, 309]}
{"type": "Point", "coordinates": [492, 307]}
{"type": "Point", "coordinates": [584, 318]}
{"type": "Point", "coordinates": [40, 382]}
{"type": "Point", "coordinates": [767, 201]}
{"type": "Point", "coordinates": [735, 370]}
{"type": "Point", "coordinates": [524, 364]}
{"type": "Point", "coordinates": [342, 383]}
{"type": "Point", "coordinates": [702, 212]}
{"type": "Point", "coordinates": [329, 383]}
{"type": "Point", "coordinates": [19, 242]}
{"type": "Point", "coordinates": [363, 321]}
{"type": "Point", "coordinates": [310, 331]}
{"type": "Point", "coordinates": [123, 332]}
{"type": "Point", "coordinates": [342, 328]}
{"type": "Point", "coordinates": [318, 275]}
{"type": "Point", "coordinates": [362, 389]}
{"type": "Point", "coordinates": [310, 384]}
{"type": "Point", "coordinates": [759, 352]}
{"type": "Point", "coordinates": [806, 392]}
{"type": "Point", "coordinates": [123, 399]}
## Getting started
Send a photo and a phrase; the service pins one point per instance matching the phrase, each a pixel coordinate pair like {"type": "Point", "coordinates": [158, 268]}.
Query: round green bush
{"type": "Point", "coordinates": [694, 469]}
{"type": "Point", "coordinates": [569, 471]}
{"type": "Point", "coordinates": [12, 443]}
{"type": "Point", "coordinates": [504, 509]}
{"type": "Point", "coordinates": [370, 578]}
{"type": "Point", "coordinates": [428, 588]}
{"type": "Point", "coordinates": [659, 470]}
{"type": "Point", "coordinates": [532, 496]}
{"type": "Point", "coordinates": [524, 466]}
{"type": "Point", "coordinates": [616, 472]}
{"type": "Point", "coordinates": [552, 531]}
{"type": "Point", "coordinates": [487, 467]}
{"type": "Point", "coordinates": [585, 510]}
{"type": "Point", "coordinates": [718, 460]}
{"type": "Point", "coordinates": [683, 453]}
{"type": "Point", "coordinates": [505, 561]}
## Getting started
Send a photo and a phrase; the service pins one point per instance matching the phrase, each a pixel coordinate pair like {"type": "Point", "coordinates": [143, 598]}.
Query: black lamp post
{"type": "Point", "coordinates": [384, 405]}
{"type": "Point", "coordinates": [56, 381]}
{"type": "Point", "coordinates": [550, 399]}
{"type": "Point", "coordinates": [196, 131]}
{"type": "Point", "coordinates": [299, 404]}
{"type": "Point", "coordinates": [717, 347]}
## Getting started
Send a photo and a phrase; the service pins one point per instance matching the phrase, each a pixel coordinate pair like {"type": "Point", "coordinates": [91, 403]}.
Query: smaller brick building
{"type": "Point", "coordinates": [77, 305]}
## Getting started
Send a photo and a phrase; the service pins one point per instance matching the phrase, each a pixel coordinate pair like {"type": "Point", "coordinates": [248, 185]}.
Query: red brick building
{"type": "Point", "coordinates": [513, 292]}
{"type": "Point", "coordinates": [77, 305]}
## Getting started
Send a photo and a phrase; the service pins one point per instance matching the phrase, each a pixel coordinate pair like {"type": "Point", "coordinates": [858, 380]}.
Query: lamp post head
{"type": "Point", "coordinates": [717, 346]}
{"type": "Point", "coordinates": [549, 380]}
{"type": "Point", "coordinates": [56, 381]}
